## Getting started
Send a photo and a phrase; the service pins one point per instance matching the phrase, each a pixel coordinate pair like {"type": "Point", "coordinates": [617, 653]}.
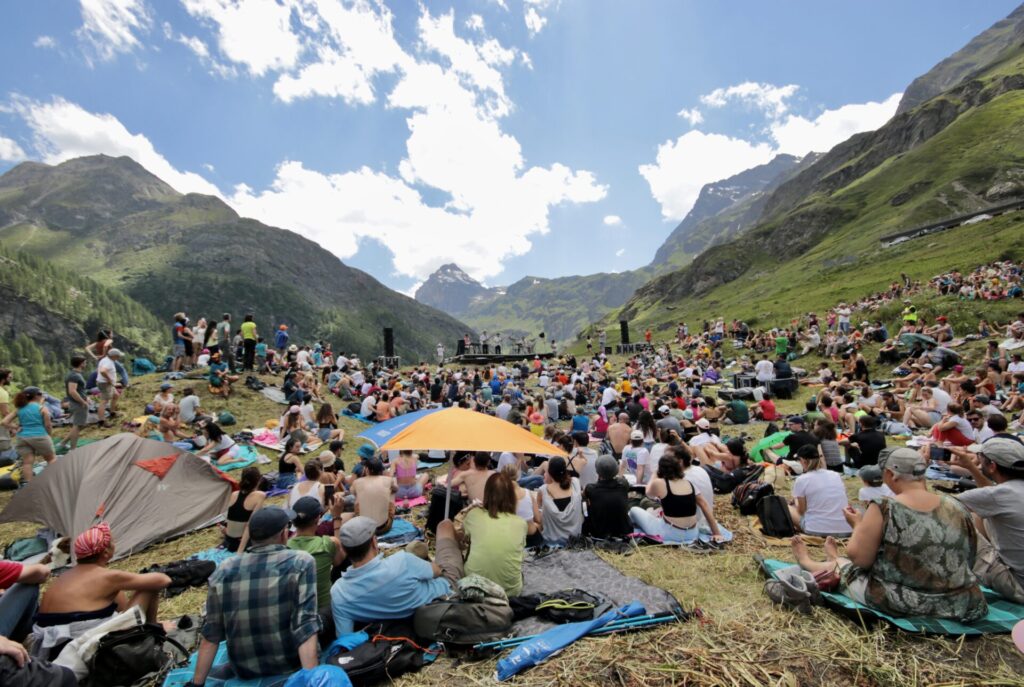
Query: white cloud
{"type": "Point", "coordinates": [254, 33]}
{"type": "Point", "coordinates": [683, 166]}
{"type": "Point", "coordinates": [534, 21]}
{"type": "Point", "coordinates": [411, 291]}
{"type": "Point", "coordinates": [208, 167]}
{"type": "Point", "coordinates": [110, 26]}
{"type": "Point", "coordinates": [45, 42]}
{"type": "Point", "coordinates": [612, 220]}
{"type": "Point", "coordinates": [798, 135]}
{"type": "Point", "coordinates": [475, 22]}
{"type": "Point", "coordinates": [696, 158]}
{"type": "Point", "coordinates": [620, 252]}
{"type": "Point", "coordinates": [63, 130]}
{"type": "Point", "coordinates": [196, 45]}
{"type": "Point", "coordinates": [772, 99]}
{"type": "Point", "coordinates": [693, 116]}
{"type": "Point", "coordinates": [10, 151]}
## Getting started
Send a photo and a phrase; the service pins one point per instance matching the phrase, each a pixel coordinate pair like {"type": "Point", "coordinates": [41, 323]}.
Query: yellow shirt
{"type": "Point", "coordinates": [248, 330]}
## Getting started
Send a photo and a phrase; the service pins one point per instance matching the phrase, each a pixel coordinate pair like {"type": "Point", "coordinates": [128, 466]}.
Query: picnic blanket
{"type": "Point", "coordinates": [247, 456]}
{"type": "Point", "coordinates": [64, 448]}
{"type": "Point", "coordinates": [573, 569]}
{"type": "Point", "coordinates": [767, 442]}
{"type": "Point", "coordinates": [401, 533]}
{"type": "Point", "coordinates": [215, 553]}
{"type": "Point", "coordinates": [1002, 613]}
{"type": "Point", "coordinates": [271, 440]}
{"type": "Point", "coordinates": [356, 416]}
{"type": "Point", "coordinates": [274, 394]}
{"type": "Point", "coordinates": [179, 677]}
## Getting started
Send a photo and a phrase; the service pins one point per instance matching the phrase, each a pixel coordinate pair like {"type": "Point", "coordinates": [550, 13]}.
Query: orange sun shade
{"type": "Point", "coordinates": [459, 429]}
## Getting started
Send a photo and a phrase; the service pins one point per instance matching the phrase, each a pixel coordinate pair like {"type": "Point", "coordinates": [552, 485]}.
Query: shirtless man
{"type": "Point", "coordinates": [373, 492]}
{"type": "Point", "coordinates": [472, 481]}
{"type": "Point", "coordinates": [91, 590]}
{"type": "Point", "coordinates": [618, 434]}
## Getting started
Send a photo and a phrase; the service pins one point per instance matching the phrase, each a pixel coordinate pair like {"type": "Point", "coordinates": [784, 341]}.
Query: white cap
{"type": "Point", "coordinates": [635, 435]}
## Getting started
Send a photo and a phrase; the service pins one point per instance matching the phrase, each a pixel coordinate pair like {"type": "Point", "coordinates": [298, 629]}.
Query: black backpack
{"type": "Point", "coordinates": [722, 482]}
{"type": "Point", "coordinates": [389, 653]}
{"type": "Point", "coordinates": [747, 495]}
{"type": "Point", "coordinates": [184, 574]}
{"type": "Point", "coordinates": [773, 514]}
{"type": "Point", "coordinates": [126, 657]}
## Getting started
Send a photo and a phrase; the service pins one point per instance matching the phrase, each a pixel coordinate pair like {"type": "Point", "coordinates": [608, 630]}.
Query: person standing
{"type": "Point", "coordinates": [249, 337]}
{"type": "Point", "coordinates": [74, 387]}
{"type": "Point", "coordinates": [440, 353]}
{"type": "Point", "coordinates": [5, 407]}
{"type": "Point", "coordinates": [33, 438]}
{"type": "Point", "coordinates": [224, 337]}
{"type": "Point", "coordinates": [178, 342]}
{"type": "Point", "coordinates": [281, 340]}
{"type": "Point", "coordinates": [106, 382]}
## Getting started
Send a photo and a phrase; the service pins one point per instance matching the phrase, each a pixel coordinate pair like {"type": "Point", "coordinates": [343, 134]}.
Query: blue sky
{"type": "Point", "coordinates": [514, 137]}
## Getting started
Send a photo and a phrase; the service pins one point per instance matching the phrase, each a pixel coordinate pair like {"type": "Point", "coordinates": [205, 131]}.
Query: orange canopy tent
{"type": "Point", "coordinates": [460, 429]}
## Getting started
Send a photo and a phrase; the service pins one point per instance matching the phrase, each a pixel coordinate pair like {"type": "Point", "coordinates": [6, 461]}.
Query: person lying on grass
{"type": "Point", "coordinates": [910, 555]}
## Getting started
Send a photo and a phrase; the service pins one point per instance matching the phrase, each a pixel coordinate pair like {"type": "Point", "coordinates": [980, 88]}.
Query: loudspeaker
{"type": "Point", "coordinates": [389, 342]}
{"type": "Point", "coordinates": [624, 330]}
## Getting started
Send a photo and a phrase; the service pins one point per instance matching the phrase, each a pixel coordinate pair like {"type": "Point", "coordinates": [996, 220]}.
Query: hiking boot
{"type": "Point", "coordinates": [789, 591]}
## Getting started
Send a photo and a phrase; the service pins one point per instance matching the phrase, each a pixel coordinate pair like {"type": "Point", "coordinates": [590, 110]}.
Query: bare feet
{"type": "Point", "coordinates": [800, 550]}
{"type": "Point", "coordinates": [831, 548]}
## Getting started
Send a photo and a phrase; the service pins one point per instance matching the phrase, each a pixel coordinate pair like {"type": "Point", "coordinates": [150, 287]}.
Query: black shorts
{"type": "Point", "coordinates": [188, 348]}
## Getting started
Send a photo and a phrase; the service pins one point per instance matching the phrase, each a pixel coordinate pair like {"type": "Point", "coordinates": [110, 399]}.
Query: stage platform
{"type": "Point", "coordinates": [494, 358]}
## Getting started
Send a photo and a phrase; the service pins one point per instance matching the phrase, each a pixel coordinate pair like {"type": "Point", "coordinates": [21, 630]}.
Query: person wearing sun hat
{"type": "Point", "coordinates": [909, 555]}
{"type": "Point", "coordinates": [263, 603]}
{"type": "Point", "coordinates": [91, 590]}
{"type": "Point", "coordinates": [997, 467]}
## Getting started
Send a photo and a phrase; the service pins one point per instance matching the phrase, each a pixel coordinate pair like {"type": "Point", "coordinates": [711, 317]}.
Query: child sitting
{"type": "Point", "coordinates": [874, 489]}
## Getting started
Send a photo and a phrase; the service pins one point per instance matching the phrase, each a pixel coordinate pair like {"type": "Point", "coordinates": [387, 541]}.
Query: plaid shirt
{"type": "Point", "coordinates": [264, 604]}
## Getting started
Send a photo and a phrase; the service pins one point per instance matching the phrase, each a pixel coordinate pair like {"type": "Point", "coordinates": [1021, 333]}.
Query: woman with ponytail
{"type": "Point", "coordinates": [561, 504]}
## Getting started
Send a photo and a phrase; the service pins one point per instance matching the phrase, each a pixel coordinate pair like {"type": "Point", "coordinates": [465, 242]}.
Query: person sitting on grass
{"type": "Point", "coordinates": [676, 520]}
{"type": "Point", "coordinates": [91, 591]}
{"type": "Point", "coordinates": [288, 464]}
{"type": "Point", "coordinates": [19, 597]}
{"type": "Point", "coordinates": [472, 482]}
{"type": "Point", "coordinates": [819, 497]}
{"type": "Point", "coordinates": [379, 588]}
{"type": "Point", "coordinates": [311, 487]}
{"type": "Point", "coordinates": [911, 555]}
{"type": "Point", "coordinates": [409, 484]}
{"type": "Point", "coordinates": [561, 504]}
{"type": "Point", "coordinates": [170, 424]}
{"type": "Point", "coordinates": [326, 551]}
{"type": "Point", "coordinates": [243, 503]}
{"type": "Point", "coordinates": [497, 536]}
{"type": "Point", "coordinates": [219, 447]}
{"type": "Point", "coordinates": [220, 378]}
{"type": "Point", "coordinates": [607, 502]}
{"type": "Point", "coordinates": [327, 424]}
{"type": "Point", "coordinates": [998, 507]}
{"type": "Point", "coordinates": [373, 496]}
{"type": "Point", "coordinates": [18, 669]}
{"type": "Point", "coordinates": [263, 603]}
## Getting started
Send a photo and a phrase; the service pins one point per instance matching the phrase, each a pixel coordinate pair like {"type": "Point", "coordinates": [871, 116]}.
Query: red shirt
{"type": "Point", "coordinates": [767, 410]}
{"type": "Point", "coordinates": [9, 573]}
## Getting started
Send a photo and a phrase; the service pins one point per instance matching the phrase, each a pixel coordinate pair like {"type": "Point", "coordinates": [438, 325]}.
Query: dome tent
{"type": "Point", "coordinates": [148, 491]}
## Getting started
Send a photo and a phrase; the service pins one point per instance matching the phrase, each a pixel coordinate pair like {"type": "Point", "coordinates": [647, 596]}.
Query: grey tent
{"type": "Point", "coordinates": [148, 491]}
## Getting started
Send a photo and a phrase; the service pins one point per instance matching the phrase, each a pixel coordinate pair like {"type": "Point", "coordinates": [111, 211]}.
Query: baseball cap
{"type": "Point", "coordinates": [703, 423]}
{"type": "Point", "coordinates": [903, 461]}
{"type": "Point", "coordinates": [357, 531]}
{"type": "Point", "coordinates": [114, 353]}
{"type": "Point", "coordinates": [165, 386]}
{"type": "Point", "coordinates": [871, 474]}
{"type": "Point", "coordinates": [663, 410]}
{"type": "Point", "coordinates": [307, 510]}
{"type": "Point", "coordinates": [796, 419]}
{"type": "Point", "coordinates": [1006, 453]}
{"type": "Point", "coordinates": [636, 434]}
{"type": "Point", "coordinates": [983, 399]}
{"type": "Point", "coordinates": [32, 390]}
{"type": "Point", "coordinates": [266, 522]}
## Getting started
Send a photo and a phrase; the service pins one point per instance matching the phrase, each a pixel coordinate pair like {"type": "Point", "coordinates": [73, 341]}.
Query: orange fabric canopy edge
{"type": "Point", "coordinates": [460, 429]}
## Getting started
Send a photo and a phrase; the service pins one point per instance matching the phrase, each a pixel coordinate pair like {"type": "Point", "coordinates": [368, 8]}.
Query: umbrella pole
{"type": "Point", "coordinates": [448, 492]}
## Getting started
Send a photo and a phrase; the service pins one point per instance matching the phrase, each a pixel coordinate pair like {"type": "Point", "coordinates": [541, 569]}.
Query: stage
{"type": "Point", "coordinates": [495, 358]}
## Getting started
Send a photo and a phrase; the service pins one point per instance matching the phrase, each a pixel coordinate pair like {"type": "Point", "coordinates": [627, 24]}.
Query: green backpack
{"type": "Point", "coordinates": [224, 418]}
{"type": "Point", "coordinates": [463, 623]}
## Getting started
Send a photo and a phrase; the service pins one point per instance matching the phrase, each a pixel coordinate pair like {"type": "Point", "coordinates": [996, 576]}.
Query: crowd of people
{"type": "Point", "coordinates": [646, 444]}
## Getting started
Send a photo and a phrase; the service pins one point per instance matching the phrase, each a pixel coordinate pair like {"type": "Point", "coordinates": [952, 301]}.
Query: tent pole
{"type": "Point", "coordinates": [448, 492]}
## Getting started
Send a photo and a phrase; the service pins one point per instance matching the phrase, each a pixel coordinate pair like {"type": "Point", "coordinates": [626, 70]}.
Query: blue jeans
{"type": "Point", "coordinates": [649, 523]}
{"type": "Point", "coordinates": [17, 608]}
{"type": "Point", "coordinates": [532, 482]}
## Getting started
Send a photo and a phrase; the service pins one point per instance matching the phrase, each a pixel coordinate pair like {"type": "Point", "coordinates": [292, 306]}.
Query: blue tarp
{"type": "Point", "coordinates": [381, 432]}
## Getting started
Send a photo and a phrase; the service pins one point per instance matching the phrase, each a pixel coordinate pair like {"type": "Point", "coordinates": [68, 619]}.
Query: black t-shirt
{"type": "Point", "coordinates": [871, 444]}
{"type": "Point", "coordinates": [608, 509]}
{"type": "Point", "coordinates": [634, 409]}
{"type": "Point", "coordinates": [797, 439]}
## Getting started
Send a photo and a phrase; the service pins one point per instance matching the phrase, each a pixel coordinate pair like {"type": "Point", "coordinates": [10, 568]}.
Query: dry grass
{"type": "Point", "coordinates": [742, 639]}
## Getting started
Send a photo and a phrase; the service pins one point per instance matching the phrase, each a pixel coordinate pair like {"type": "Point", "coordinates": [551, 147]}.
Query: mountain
{"type": "Point", "coordinates": [47, 313]}
{"type": "Point", "coordinates": [990, 46]}
{"type": "Point", "coordinates": [817, 240]}
{"type": "Point", "coordinates": [451, 290]}
{"type": "Point", "coordinates": [112, 220]}
{"type": "Point", "coordinates": [733, 200]}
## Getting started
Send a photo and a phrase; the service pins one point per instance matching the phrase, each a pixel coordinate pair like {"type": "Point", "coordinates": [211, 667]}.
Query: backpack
{"type": "Point", "coordinates": [746, 496]}
{"type": "Point", "coordinates": [25, 548]}
{"type": "Point", "coordinates": [454, 621]}
{"type": "Point", "coordinates": [225, 418]}
{"type": "Point", "coordinates": [184, 574]}
{"type": "Point", "coordinates": [142, 366]}
{"type": "Point", "coordinates": [722, 482]}
{"type": "Point", "coordinates": [388, 654]}
{"type": "Point", "coordinates": [568, 606]}
{"type": "Point", "coordinates": [773, 514]}
{"type": "Point", "coordinates": [254, 383]}
{"type": "Point", "coordinates": [127, 657]}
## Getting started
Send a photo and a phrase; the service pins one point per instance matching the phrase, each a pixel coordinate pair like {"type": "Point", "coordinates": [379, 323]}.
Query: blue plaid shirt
{"type": "Point", "coordinates": [264, 604]}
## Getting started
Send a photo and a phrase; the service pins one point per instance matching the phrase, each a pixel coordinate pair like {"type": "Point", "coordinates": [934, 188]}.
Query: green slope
{"type": "Point", "coordinates": [959, 152]}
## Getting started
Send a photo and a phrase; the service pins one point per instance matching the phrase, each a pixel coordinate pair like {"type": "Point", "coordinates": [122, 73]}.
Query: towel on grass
{"type": "Point", "coordinates": [215, 554]}
{"type": "Point", "coordinates": [356, 416]}
{"type": "Point", "coordinates": [1002, 613]}
{"type": "Point", "coordinates": [247, 456]}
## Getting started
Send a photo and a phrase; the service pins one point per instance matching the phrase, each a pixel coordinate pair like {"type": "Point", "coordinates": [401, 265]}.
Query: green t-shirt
{"type": "Point", "coordinates": [813, 416]}
{"type": "Point", "coordinates": [322, 549]}
{"type": "Point", "coordinates": [781, 345]}
{"type": "Point", "coordinates": [738, 412]}
{"type": "Point", "coordinates": [248, 330]}
{"type": "Point", "coordinates": [496, 548]}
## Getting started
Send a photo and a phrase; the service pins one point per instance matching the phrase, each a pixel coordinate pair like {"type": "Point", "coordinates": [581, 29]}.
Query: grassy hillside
{"type": "Point", "coordinates": [822, 246]}
{"type": "Point", "coordinates": [114, 221]}
{"type": "Point", "coordinates": [48, 312]}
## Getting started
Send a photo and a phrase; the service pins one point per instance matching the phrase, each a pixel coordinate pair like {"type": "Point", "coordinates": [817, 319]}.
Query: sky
{"type": "Point", "coordinates": [512, 137]}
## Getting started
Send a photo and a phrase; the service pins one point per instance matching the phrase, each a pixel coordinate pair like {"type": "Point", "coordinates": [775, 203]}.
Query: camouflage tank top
{"type": "Point", "coordinates": [924, 564]}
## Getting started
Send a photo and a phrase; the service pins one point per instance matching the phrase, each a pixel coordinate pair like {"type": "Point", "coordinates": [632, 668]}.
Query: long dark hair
{"type": "Point", "coordinates": [645, 422]}
{"type": "Point", "coordinates": [248, 482]}
{"type": "Point", "coordinates": [24, 397]}
{"type": "Point", "coordinates": [213, 431]}
{"type": "Point", "coordinates": [669, 468]}
{"type": "Point", "coordinates": [559, 472]}
{"type": "Point", "coordinates": [326, 415]}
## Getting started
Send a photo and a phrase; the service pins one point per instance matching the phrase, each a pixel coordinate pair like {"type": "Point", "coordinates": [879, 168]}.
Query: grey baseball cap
{"type": "Point", "coordinates": [357, 531]}
{"type": "Point", "coordinates": [1006, 453]}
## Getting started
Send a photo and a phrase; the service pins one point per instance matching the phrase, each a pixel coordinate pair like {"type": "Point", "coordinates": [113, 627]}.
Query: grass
{"type": "Point", "coordinates": [741, 640]}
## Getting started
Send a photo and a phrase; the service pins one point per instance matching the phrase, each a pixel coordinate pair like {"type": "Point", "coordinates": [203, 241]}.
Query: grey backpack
{"type": "Point", "coordinates": [460, 622]}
